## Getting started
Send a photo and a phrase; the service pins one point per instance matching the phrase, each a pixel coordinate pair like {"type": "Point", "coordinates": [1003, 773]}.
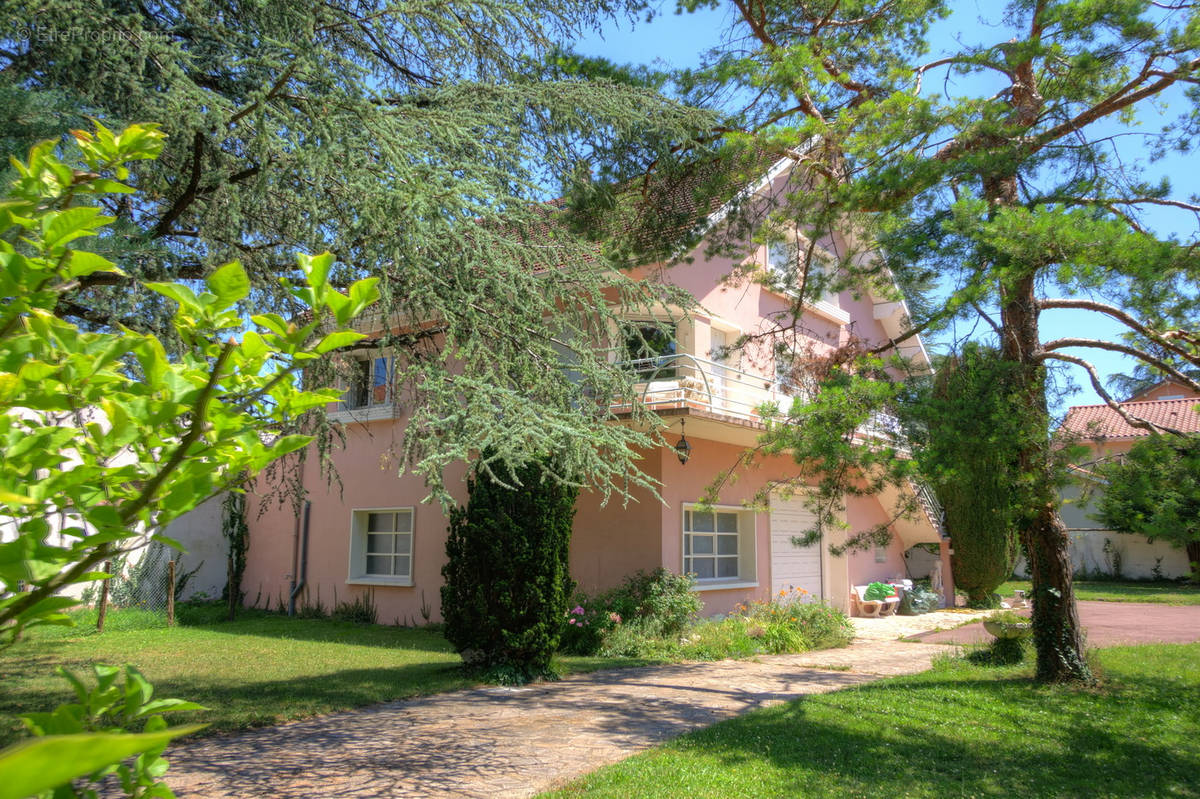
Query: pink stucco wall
{"type": "Point", "coordinates": [617, 539]}
{"type": "Point", "coordinates": [863, 513]}
{"type": "Point", "coordinates": [367, 481]}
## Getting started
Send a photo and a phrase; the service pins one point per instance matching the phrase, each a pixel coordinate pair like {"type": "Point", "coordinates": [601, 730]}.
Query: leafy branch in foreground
{"type": "Point", "coordinates": [104, 437]}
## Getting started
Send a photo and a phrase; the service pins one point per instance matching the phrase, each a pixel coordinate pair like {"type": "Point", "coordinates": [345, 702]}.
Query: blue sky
{"type": "Point", "coordinates": [677, 41]}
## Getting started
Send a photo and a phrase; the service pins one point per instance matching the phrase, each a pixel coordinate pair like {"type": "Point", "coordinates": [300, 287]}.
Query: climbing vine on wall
{"type": "Point", "coordinates": [237, 534]}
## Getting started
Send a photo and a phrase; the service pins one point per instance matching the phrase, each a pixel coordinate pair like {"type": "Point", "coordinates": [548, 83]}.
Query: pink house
{"type": "Point", "coordinates": [378, 535]}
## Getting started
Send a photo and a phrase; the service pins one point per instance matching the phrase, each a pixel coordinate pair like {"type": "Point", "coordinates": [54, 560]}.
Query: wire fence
{"type": "Point", "coordinates": [149, 579]}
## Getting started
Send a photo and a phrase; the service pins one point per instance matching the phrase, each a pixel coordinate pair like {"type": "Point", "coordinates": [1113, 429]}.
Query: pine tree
{"type": "Point", "coordinates": [1002, 190]}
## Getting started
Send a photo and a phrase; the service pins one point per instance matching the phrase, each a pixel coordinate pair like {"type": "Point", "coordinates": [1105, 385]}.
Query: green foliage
{"type": "Point", "coordinates": [421, 141]}
{"type": "Point", "coordinates": [311, 606]}
{"type": "Point", "coordinates": [237, 534]}
{"type": "Point", "coordinates": [109, 433]}
{"type": "Point", "coordinates": [968, 433]}
{"type": "Point", "coordinates": [654, 604]}
{"type": "Point", "coordinates": [90, 737]}
{"type": "Point", "coordinates": [845, 442]}
{"type": "Point", "coordinates": [105, 425]}
{"type": "Point", "coordinates": [786, 624]}
{"type": "Point", "coordinates": [666, 601]}
{"type": "Point", "coordinates": [506, 577]}
{"type": "Point", "coordinates": [1154, 490]}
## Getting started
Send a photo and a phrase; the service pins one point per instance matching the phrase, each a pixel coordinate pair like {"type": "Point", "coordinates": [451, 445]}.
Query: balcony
{"type": "Point", "coordinates": [686, 384]}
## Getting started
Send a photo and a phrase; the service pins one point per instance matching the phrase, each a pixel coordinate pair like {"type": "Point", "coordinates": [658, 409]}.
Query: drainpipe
{"type": "Point", "coordinates": [298, 582]}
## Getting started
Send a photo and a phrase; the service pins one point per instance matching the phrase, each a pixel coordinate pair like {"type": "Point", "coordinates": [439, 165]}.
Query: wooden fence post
{"type": "Point", "coordinates": [170, 593]}
{"type": "Point", "coordinates": [102, 608]}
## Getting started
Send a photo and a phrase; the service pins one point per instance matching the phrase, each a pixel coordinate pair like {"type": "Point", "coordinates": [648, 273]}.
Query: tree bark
{"type": "Point", "coordinates": [1057, 636]}
{"type": "Point", "coordinates": [1193, 556]}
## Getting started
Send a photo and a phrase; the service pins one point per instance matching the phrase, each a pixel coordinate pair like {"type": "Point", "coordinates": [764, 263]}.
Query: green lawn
{"type": "Point", "coordinates": [957, 731]}
{"type": "Point", "coordinates": [1164, 592]}
{"type": "Point", "coordinates": [258, 670]}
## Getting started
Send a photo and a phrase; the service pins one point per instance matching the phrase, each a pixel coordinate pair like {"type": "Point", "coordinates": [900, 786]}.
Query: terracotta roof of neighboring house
{"type": "Point", "coordinates": [1101, 421]}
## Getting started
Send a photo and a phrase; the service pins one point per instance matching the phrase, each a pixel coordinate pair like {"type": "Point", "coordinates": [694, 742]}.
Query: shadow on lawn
{"type": "Point", "coordinates": [1029, 740]}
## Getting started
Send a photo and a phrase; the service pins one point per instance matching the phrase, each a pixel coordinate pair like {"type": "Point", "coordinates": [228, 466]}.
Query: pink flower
{"type": "Point", "coordinates": [615, 618]}
{"type": "Point", "coordinates": [572, 621]}
{"type": "Point", "coordinates": [578, 611]}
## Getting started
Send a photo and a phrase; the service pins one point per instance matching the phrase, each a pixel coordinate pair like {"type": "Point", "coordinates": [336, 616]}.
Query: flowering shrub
{"type": "Point", "coordinates": [657, 604]}
{"type": "Point", "coordinates": [666, 602]}
{"type": "Point", "coordinates": [585, 625]}
{"type": "Point", "coordinates": [794, 621]}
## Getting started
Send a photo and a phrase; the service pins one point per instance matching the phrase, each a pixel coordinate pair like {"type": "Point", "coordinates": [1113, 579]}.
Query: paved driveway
{"type": "Point", "coordinates": [1106, 624]}
{"type": "Point", "coordinates": [502, 742]}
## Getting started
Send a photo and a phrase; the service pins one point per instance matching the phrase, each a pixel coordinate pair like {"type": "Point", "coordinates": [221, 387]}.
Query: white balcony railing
{"type": "Point", "coordinates": [683, 381]}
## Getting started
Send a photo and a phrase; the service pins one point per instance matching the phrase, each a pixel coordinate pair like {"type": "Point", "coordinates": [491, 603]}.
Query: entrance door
{"type": "Point", "coordinates": [793, 566]}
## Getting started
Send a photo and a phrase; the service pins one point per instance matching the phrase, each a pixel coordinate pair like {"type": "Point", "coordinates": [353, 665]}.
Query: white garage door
{"type": "Point", "coordinates": [793, 566]}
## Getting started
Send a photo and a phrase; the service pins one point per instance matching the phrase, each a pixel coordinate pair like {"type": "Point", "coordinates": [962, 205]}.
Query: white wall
{"type": "Point", "coordinates": [200, 533]}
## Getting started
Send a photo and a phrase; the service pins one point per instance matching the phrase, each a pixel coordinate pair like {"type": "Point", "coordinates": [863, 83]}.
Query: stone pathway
{"type": "Point", "coordinates": [514, 742]}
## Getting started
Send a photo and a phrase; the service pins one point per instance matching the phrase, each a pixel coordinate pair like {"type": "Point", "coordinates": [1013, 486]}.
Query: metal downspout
{"type": "Point", "coordinates": [299, 580]}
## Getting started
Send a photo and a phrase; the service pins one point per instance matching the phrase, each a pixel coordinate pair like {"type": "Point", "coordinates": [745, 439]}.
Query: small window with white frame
{"type": "Point", "coordinates": [369, 384]}
{"type": "Point", "coordinates": [381, 546]}
{"type": "Point", "coordinates": [718, 545]}
{"type": "Point", "coordinates": [784, 265]}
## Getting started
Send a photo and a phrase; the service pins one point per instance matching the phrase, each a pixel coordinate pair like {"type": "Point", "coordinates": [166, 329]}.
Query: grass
{"type": "Point", "coordinates": [958, 730]}
{"type": "Point", "coordinates": [1162, 592]}
{"type": "Point", "coordinates": [261, 669]}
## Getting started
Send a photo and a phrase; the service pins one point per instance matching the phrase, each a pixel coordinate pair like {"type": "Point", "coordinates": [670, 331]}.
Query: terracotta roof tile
{"type": "Point", "coordinates": [1101, 421]}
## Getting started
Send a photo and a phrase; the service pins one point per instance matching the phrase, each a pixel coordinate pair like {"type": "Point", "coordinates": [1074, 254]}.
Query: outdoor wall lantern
{"type": "Point", "coordinates": [683, 450]}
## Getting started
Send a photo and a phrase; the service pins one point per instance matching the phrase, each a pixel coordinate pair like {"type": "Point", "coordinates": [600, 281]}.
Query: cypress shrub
{"type": "Point", "coordinates": [506, 581]}
{"type": "Point", "coordinates": [971, 457]}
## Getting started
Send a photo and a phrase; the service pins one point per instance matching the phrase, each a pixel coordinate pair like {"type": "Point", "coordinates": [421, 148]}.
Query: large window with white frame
{"type": "Point", "coordinates": [381, 546]}
{"type": "Point", "coordinates": [718, 545]}
{"type": "Point", "coordinates": [650, 348]}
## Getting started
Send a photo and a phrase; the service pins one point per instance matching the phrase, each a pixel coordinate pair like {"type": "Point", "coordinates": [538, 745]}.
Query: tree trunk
{"type": "Point", "coordinates": [1193, 556]}
{"type": "Point", "coordinates": [1057, 636]}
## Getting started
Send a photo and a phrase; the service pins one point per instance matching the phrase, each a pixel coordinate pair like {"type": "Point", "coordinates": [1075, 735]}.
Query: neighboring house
{"type": "Point", "coordinates": [376, 534]}
{"type": "Point", "coordinates": [1093, 548]}
{"type": "Point", "coordinates": [203, 561]}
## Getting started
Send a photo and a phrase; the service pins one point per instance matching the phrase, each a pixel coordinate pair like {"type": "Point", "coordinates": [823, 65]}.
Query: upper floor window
{"type": "Point", "coordinates": [369, 383]}
{"type": "Point", "coordinates": [783, 264]}
{"type": "Point", "coordinates": [650, 349]}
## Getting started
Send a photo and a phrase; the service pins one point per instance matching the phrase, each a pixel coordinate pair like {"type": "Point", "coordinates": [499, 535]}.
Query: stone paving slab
{"type": "Point", "coordinates": [515, 742]}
